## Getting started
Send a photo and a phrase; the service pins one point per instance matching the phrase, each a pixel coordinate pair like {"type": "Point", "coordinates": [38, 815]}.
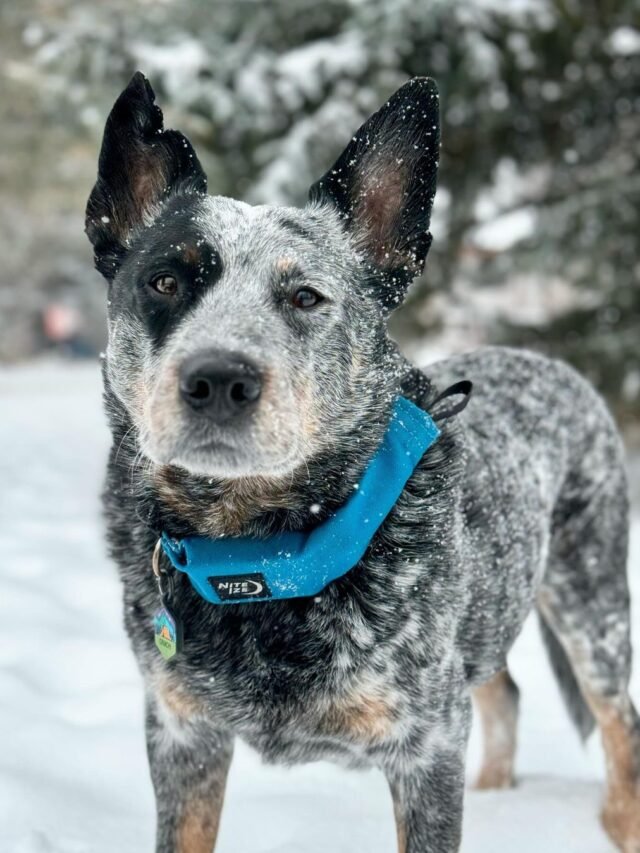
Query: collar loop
{"type": "Point", "coordinates": [458, 389]}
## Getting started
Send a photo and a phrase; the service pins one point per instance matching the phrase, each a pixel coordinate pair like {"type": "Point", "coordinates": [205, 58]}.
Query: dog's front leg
{"type": "Point", "coordinates": [427, 802]}
{"type": "Point", "coordinates": [189, 762]}
{"type": "Point", "coordinates": [428, 788]}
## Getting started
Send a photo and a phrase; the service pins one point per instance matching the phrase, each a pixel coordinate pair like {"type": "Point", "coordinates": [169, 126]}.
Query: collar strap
{"type": "Point", "coordinates": [295, 564]}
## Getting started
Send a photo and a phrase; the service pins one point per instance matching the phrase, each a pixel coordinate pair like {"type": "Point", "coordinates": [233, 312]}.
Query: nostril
{"type": "Point", "coordinates": [200, 389]}
{"type": "Point", "coordinates": [196, 389]}
{"type": "Point", "coordinates": [244, 391]}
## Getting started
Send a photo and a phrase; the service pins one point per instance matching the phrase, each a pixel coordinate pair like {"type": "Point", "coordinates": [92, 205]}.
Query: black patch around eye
{"type": "Point", "coordinates": [171, 247]}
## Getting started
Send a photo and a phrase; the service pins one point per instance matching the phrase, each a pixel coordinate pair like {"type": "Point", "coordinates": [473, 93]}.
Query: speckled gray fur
{"type": "Point", "coordinates": [520, 504]}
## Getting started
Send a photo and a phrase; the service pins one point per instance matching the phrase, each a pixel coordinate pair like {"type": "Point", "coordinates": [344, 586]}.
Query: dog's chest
{"type": "Point", "coordinates": [286, 717]}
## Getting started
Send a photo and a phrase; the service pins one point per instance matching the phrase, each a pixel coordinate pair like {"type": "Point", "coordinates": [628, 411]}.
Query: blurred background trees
{"type": "Point", "coordinates": [538, 211]}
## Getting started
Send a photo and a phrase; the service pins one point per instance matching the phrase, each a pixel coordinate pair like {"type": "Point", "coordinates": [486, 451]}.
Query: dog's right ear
{"type": "Point", "coordinates": [140, 166]}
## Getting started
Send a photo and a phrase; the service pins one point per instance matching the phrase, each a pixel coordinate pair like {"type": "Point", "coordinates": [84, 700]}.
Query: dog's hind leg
{"type": "Point", "coordinates": [189, 764]}
{"type": "Point", "coordinates": [497, 703]}
{"type": "Point", "coordinates": [620, 729]}
{"type": "Point", "coordinates": [611, 708]}
{"type": "Point", "coordinates": [584, 603]}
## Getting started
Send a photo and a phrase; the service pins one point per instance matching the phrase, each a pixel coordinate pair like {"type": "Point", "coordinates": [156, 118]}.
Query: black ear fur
{"type": "Point", "coordinates": [384, 183]}
{"type": "Point", "coordinates": [140, 165]}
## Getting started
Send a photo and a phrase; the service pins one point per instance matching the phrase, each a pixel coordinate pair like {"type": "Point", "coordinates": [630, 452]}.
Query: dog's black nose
{"type": "Point", "coordinates": [220, 385]}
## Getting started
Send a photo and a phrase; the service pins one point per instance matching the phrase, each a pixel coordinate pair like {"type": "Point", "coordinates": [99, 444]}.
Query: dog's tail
{"type": "Point", "coordinates": [575, 704]}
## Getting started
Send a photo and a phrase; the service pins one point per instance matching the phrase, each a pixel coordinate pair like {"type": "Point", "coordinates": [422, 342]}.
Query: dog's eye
{"type": "Point", "coordinates": [305, 298]}
{"type": "Point", "coordinates": [164, 284]}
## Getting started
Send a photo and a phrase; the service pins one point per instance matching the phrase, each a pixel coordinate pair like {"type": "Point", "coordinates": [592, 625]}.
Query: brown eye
{"type": "Point", "coordinates": [164, 284]}
{"type": "Point", "coordinates": [305, 298]}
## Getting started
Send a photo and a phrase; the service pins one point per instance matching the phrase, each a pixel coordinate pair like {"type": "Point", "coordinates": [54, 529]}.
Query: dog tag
{"type": "Point", "coordinates": [167, 625]}
{"type": "Point", "coordinates": [168, 632]}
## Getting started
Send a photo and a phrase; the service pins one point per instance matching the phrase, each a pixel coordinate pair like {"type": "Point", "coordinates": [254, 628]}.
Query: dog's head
{"type": "Point", "coordinates": [242, 339]}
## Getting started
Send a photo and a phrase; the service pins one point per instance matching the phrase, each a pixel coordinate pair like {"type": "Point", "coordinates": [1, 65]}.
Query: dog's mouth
{"type": "Point", "coordinates": [227, 461]}
{"type": "Point", "coordinates": [214, 448]}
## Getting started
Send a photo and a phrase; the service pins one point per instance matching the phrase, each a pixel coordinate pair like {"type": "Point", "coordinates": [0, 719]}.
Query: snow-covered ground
{"type": "Point", "coordinates": [73, 775]}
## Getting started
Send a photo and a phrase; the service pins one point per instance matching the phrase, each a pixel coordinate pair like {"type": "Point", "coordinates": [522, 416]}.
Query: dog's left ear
{"type": "Point", "coordinates": [384, 183]}
{"type": "Point", "coordinates": [141, 165]}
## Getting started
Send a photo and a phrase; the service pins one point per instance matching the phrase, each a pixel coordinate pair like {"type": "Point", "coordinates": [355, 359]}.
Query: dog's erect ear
{"type": "Point", "coordinates": [384, 182]}
{"type": "Point", "coordinates": [140, 166]}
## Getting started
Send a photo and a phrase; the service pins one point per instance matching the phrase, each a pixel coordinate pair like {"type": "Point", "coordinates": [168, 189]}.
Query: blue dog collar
{"type": "Point", "coordinates": [294, 564]}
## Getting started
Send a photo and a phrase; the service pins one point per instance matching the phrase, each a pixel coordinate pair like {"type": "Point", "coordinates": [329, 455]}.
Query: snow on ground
{"type": "Point", "coordinates": [73, 775]}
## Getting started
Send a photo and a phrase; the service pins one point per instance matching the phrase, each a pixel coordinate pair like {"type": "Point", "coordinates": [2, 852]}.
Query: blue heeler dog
{"type": "Point", "coordinates": [251, 387]}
